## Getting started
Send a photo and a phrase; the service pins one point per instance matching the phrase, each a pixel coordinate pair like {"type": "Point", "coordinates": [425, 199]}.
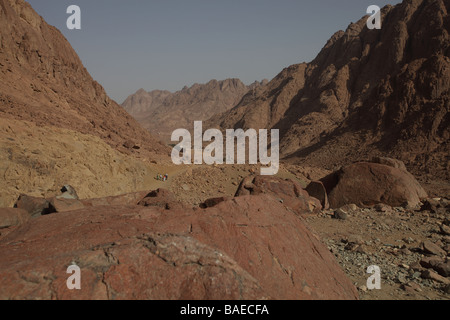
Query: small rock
{"type": "Point", "coordinates": [447, 289]}
{"type": "Point", "coordinates": [432, 248]}
{"type": "Point", "coordinates": [431, 262]}
{"type": "Point", "coordinates": [430, 205]}
{"type": "Point", "coordinates": [411, 287]}
{"type": "Point", "coordinates": [443, 269]}
{"type": "Point", "coordinates": [381, 207]}
{"type": "Point", "coordinates": [361, 249]}
{"type": "Point", "coordinates": [416, 266]}
{"type": "Point", "coordinates": [340, 214]}
{"type": "Point", "coordinates": [405, 251]}
{"type": "Point", "coordinates": [363, 288]}
{"type": "Point", "coordinates": [68, 192]}
{"type": "Point", "coordinates": [401, 278]}
{"type": "Point", "coordinates": [431, 275]}
{"type": "Point", "coordinates": [352, 247]}
{"type": "Point", "coordinates": [445, 230]}
{"type": "Point", "coordinates": [355, 239]}
{"type": "Point", "coordinates": [129, 144]}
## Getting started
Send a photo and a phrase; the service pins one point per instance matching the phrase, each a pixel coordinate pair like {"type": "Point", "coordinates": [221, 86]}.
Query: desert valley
{"type": "Point", "coordinates": [363, 179]}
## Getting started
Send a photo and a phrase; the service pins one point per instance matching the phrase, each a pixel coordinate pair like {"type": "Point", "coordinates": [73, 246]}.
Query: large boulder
{"type": "Point", "coordinates": [288, 191]}
{"type": "Point", "coordinates": [275, 246]}
{"type": "Point", "coordinates": [251, 247]}
{"type": "Point", "coordinates": [367, 184]}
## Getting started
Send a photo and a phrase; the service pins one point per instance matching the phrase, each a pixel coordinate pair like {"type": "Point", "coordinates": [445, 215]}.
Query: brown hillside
{"type": "Point", "coordinates": [43, 81]}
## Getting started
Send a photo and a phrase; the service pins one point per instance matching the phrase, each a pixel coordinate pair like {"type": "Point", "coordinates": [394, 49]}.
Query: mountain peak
{"type": "Point", "coordinates": [199, 102]}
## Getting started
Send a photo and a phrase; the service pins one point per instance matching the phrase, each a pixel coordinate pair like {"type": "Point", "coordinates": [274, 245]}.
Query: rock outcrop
{"type": "Point", "coordinates": [250, 247]}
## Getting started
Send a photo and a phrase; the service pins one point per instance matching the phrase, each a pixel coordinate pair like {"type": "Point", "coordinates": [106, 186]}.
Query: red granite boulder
{"type": "Point", "coordinates": [250, 247]}
{"type": "Point", "coordinates": [368, 184]}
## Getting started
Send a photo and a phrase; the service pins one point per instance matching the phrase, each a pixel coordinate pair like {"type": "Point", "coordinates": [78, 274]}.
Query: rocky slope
{"type": "Point", "coordinates": [42, 80]}
{"type": "Point", "coordinates": [368, 92]}
{"type": "Point", "coordinates": [57, 125]}
{"type": "Point", "coordinates": [39, 160]}
{"type": "Point", "coordinates": [163, 112]}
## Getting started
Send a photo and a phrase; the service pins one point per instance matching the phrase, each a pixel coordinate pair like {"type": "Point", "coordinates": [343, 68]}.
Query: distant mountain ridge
{"type": "Point", "coordinates": [162, 111]}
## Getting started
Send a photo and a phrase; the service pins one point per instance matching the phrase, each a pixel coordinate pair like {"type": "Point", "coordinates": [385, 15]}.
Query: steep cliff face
{"type": "Point", "coordinates": [57, 125]}
{"type": "Point", "coordinates": [43, 81]}
{"type": "Point", "coordinates": [368, 92]}
{"type": "Point", "coordinates": [163, 112]}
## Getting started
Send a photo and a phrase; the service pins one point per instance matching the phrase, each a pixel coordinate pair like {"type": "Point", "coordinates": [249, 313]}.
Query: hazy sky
{"type": "Point", "coordinates": [167, 44]}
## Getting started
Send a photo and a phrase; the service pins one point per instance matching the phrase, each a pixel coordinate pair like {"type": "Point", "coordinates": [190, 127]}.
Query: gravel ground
{"type": "Point", "coordinates": [392, 239]}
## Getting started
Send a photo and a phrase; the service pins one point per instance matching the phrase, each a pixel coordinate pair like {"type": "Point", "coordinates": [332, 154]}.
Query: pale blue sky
{"type": "Point", "coordinates": [166, 44]}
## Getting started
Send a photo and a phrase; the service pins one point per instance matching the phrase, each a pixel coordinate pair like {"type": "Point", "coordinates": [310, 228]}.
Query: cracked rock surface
{"type": "Point", "coordinates": [250, 247]}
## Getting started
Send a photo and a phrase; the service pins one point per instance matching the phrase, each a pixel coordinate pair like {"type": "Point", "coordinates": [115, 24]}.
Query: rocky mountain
{"type": "Point", "coordinates": [44, 81]}
{"type": "Point", "coordinates": [80, 188]}
{"type": "Point", "coordinates": [56, 123]}
{"type": "Point", "coordinates": [367, 93]}
{"type": "Point", "coordinates": [163, 112]}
